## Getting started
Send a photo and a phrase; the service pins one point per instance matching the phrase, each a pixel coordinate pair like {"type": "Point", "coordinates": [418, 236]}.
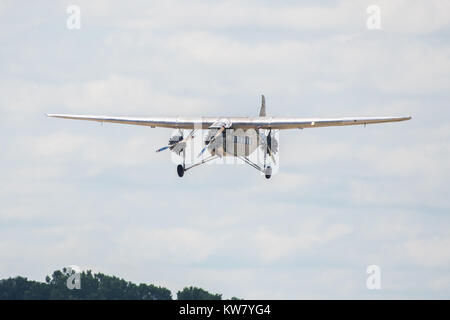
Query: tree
{"type": "Point", "coordinates": [193, 293]}
{"type": "Point", "coordinates": [94, 286]}
{"type": "Point", "coordinates": [20, 288]}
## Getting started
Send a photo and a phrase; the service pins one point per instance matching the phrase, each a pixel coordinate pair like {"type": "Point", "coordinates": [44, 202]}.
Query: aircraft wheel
{"type": "Point", "coordinates": [268, 172]}
{"type": "Point", "coordinates": [180, 170]}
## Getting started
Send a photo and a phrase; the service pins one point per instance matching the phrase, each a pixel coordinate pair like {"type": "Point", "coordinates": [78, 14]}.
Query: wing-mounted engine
{"type": "Point", "coordinates": [176, 144]}
{"type": "Point", "coordinates": [272, 142]}
{"type": "Point", "coordinates": [269, 142]}
{"type": "Point", "coordinates": [269, 145]}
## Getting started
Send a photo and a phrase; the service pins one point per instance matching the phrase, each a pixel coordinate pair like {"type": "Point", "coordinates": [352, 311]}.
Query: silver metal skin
{"type": "Point", "coordinates": [238, 143]}
{"type": "Point", "coordinates": [243, 135]}
{"type": "Point", "coordinates": [236, 122]}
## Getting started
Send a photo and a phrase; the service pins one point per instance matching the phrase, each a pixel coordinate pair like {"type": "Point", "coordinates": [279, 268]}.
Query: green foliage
{"type": "Point", "coordinates": [193, 293]}
{"type": "Point", "coordinates": [93, 287]}
{"type": "Point", "coordinates": [22, 288]}
{"type": "Point", "coordinates": [96, 286]}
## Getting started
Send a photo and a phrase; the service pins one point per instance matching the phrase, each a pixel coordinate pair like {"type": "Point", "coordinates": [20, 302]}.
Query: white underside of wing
{"type": "Point", "coordinates": [286, 123]}
{"type": "Point", "coordinates": [236, 122]}
{"type": "Point", "coordinates": [162, 122]}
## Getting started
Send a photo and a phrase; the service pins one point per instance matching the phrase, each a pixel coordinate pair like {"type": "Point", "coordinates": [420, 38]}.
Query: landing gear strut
{"type": "Point", "coordinates": [181, 169]}
{"type": "Point", "coordinates": [267, 171]}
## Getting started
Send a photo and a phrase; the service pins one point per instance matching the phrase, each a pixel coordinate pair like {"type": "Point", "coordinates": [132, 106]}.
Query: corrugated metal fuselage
{"type": "Point", "coordinates": [232, 143]}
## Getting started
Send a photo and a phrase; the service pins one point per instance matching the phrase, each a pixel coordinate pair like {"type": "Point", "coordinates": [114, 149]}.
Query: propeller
{"type": "Point", "coordinates": [212, 140]}
{"type": "Point", "coordinates": [267, 143]}
{"type": "Point", "coordinates": [171, 146]}
{"type": "Point", "coordinates": [163, 148]}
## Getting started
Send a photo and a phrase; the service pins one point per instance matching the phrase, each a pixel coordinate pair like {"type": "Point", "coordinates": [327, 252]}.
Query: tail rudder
{"type": "Point", "coordinates": [262, 111]}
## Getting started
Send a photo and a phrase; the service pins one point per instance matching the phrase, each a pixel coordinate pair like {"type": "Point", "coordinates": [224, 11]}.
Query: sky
{"type": "Point", "coordinates": [344, 198]}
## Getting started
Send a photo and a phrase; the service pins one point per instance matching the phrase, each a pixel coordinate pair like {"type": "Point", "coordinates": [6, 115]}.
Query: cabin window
{"type": "Point", "coordinates": [242, 140]}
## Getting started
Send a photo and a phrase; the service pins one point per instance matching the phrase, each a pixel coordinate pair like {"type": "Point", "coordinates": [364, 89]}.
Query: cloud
{"type": "Point", "coordinates": [410, 17]}
{"type": "Point", "coordinates": [429, 252]}
{"type": "Point", "coordinates": [344, 198]}
{"type": "Point", "coordinates": [309, 234]}
{"type": "Point", "coordinates": [171, 245]}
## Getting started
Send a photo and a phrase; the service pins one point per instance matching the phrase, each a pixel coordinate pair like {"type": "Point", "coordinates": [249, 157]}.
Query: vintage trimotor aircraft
{"type": "Point", "coordinates": [231, 136]}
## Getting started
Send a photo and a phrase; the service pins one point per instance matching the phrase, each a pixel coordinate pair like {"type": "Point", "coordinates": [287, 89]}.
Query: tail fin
{"type": "Point", "coordinates": [262, 112]}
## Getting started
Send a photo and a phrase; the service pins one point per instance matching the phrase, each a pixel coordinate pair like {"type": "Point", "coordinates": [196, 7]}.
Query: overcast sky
{"type": "Point", "coordinates": [99, 197]}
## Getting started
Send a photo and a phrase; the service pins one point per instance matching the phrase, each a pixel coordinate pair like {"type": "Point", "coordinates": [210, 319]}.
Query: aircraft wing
{"type": "Point", "coordinates": [235, 122]}
{"type": "Point", "coordinates": [301, 123]}
{"type": "Point", "coordinates": [163, 122]}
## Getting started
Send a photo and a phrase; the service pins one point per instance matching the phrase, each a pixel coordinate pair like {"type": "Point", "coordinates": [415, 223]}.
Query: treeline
{"type": "Point", "coordinates": [92, 286]}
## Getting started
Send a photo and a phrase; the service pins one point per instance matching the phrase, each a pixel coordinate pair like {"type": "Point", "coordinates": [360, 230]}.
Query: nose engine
{"type": "Point", "coordinates": [214, 144]}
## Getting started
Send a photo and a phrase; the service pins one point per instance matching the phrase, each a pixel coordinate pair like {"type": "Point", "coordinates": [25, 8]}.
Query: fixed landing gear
{"type": "Point", "coordinates": [268, 172]}
{"type": "Point", "coordinates": [180, 170]}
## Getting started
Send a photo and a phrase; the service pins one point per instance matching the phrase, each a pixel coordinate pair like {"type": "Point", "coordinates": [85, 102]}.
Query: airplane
{"type": "Point", "coordinates": [231, 136]}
